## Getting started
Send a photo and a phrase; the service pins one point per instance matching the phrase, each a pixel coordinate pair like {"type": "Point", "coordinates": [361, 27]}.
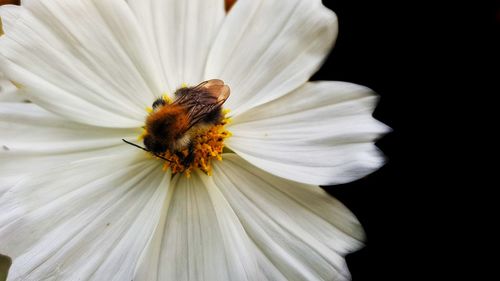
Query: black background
{"type": "Point", "coordinates": [432, 63]}
{"type": "Point", "coordinates": [377, 47]}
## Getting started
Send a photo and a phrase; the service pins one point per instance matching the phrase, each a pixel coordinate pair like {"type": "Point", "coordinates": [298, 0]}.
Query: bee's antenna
{"type": "Point", "coordinates": [140, 147]}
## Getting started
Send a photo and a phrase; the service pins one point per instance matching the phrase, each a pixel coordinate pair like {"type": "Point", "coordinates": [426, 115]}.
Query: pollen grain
{"type": "Point", "coordinates": [208, 146]}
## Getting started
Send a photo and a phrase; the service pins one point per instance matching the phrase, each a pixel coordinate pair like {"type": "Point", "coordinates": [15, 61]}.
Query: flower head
{"type": "Point", "coordinates": [77, 203]}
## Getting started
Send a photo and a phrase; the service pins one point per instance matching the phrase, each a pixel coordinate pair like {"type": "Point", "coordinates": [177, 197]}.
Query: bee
{"type": "Point", "coordinates": [172, 126]}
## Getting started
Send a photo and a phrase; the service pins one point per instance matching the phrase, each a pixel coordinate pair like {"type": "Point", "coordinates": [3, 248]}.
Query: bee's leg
{"type": "Point", "coordinates": [190, 157]}
{"type": "Point", "coordinates": [187, 160]}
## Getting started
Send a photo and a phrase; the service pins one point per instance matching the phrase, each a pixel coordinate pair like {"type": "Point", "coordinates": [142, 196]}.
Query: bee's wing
{"type": "Point", "coordinates": [209, 83]}
{"type": "Point", "coordinates": [216, 88]}
{"type": "Point", "coordinates": [203, 99]}
{"type": "Point", "coordinates": [207, 92]}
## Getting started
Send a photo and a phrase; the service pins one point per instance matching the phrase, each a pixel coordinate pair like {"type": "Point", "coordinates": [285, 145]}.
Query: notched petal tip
{"type": "Point", "coordinates": [323, 133]}
{"type": "Point", "coordinates": [270, 206]}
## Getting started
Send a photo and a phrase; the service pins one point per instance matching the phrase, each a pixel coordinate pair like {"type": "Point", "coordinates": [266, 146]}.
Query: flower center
{"type": "Point", "coordinates": [207, 145]}
{"type": "Point", "coordinates": [188, 131]}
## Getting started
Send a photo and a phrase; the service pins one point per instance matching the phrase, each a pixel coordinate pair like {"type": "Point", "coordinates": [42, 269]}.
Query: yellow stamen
{"type": "Point", "coordinates": [166, 98]}
{"type": "Point", "coordinates": [184, 85]}
{"type": "Point", "coordinates": [208, 145]}
{"type": "Point", "coordinates": [149, 109]}
{"type": "Point", "coordinates": [142, 135]}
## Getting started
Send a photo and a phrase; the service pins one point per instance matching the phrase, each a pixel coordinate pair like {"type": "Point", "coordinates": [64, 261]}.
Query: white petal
{"type": "Point", "coordinates": [301, 231]}
{"type": "Point", "coordinates": [85, 60]}
{"type": "Point", "coordinates": [266, 49]}
{"type": "Point", "coordinates": [323, 133]}
{"type": "Point", "coordinates": [33, 139]}
{"type": "Point", "coordinates": [8, 16]}
{"type": "Point", "coordinates": [181, 34]}
{"type": "Point", "coordinates": [201, 238]}
{"type": "Point", "coordinates": [9, 92]}
{"type": "Point", "coordinates": [86, 220]}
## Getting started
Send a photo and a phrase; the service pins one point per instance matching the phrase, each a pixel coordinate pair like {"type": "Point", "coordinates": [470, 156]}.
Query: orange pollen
{"type": "Point", "coordinates": [208, 146]}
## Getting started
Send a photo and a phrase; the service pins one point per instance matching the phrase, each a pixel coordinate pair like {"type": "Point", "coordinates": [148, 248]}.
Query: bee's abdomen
{"type": "Point", "coordinates": [165, 126]}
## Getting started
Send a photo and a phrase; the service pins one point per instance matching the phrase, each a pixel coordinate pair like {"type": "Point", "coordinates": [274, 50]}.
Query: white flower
{"type": "Point", "coordinates": [78, 204]}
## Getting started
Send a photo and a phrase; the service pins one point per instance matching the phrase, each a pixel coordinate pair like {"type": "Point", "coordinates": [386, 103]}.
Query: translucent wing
{"type": "Point", "coordinates": [203, 99]}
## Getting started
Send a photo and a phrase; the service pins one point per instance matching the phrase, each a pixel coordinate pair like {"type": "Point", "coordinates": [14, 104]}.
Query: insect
{"type": "Point", "coordinates": [172, 126]}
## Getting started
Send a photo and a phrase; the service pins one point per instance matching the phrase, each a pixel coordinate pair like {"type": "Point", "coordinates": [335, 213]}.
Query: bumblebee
{"type": "Point", "coordinates": [173, 126]}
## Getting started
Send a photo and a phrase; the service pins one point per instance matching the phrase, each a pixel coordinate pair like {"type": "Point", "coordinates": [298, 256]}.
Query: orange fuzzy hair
{"type": "Point", "coordinates": [165, 126]}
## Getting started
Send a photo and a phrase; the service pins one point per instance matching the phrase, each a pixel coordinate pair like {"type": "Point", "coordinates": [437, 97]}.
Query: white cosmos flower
{"type": "Point", "coordinates": [78, 204]}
